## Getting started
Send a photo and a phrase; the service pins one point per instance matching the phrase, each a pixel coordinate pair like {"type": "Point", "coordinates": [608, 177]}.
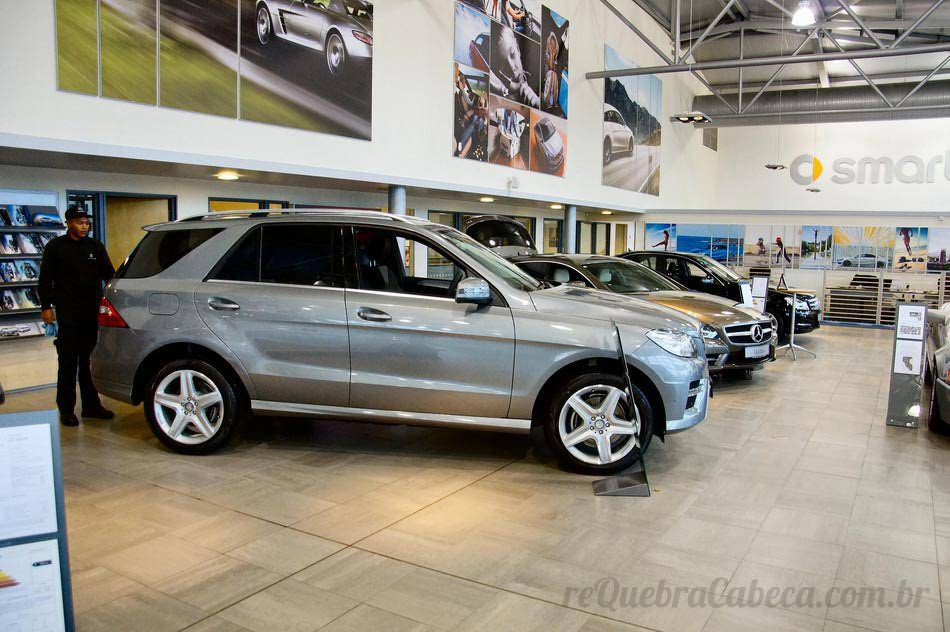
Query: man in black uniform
{"type": "Point", "coordinates": [72, 274]}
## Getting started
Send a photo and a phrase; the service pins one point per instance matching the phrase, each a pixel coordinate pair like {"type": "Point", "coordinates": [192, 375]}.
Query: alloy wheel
{"type": "Point", "coordinates": [188, 407]}
{"type": "Point", "coordinates": [597, 426]}
{"type": "Point", "coordinates": [336, 54]}
{"type": "Point", "coordinates": [263, 25]}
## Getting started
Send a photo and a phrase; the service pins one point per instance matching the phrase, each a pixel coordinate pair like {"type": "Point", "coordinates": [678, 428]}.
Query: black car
{"type": "Point", "coordinates": [704, 274]}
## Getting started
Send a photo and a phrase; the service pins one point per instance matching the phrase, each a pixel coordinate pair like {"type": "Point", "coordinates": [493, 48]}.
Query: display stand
{"type": "Point", "coordinates": [35, 587]}
{"type": "Point", "coordinates": [904, 400]}
{"type": "Point", "coordinates": [791, 347]}
{"type": "Point", "coordinates": [633, 480]}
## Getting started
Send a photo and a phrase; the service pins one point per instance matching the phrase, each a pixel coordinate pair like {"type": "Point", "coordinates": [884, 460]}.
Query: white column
{"type": "Point", "coordinates": [570, 229]}
{"type": "Point", "coordinates": [397, 199]}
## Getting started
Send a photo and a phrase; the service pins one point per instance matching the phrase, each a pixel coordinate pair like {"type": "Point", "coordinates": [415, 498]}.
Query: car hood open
{"type": "Point", "coordinates": [602, 305]}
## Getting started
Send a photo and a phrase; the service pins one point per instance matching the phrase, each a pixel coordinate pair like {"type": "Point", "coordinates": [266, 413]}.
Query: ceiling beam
{"type": "Point", "coordinates": [834, 81]}
{"type": "Point", "coordinates": [857, 20]}
{"type": "Point", "coordinates": [773, 60]}
{"type": "Point", "coordinates": [861, 72]}
{"type": "Point", "coordinates": [658, 17]}
{"type": "Point", "coordinates": [773, 24]}
{"type": "Point", "coordinates": [913, 27]}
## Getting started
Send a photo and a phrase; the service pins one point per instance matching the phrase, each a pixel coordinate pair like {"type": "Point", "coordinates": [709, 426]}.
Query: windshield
{"type": "Point", "coordinates": [547, 130]}
{"type": "Point", "coordinates": [358, 9]}
{"type": "Point", "coordinates": [717, 269]}
{"type": "Point", "coordinates": [498, 265]}
{"type": "Point", "coordinates": [627, 277]}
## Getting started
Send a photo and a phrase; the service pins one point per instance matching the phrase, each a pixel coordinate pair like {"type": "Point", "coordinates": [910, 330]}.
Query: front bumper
{"type": "Point", "coordinates": [683, 385]}
{"type": "Point", "coordinates": [807, 320]}
{"type": "Point", "coordinates": [727, 357]}
{"type": "Point", "coordinates": [698, 396]}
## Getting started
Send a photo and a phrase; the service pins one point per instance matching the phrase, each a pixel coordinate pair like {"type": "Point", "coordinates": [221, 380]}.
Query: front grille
{"type": "Point", "coordinates": [742, 334]}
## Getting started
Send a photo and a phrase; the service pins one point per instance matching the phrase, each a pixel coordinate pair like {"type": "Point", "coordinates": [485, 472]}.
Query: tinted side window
{"type": "Point", "coordinates": [308, 254]}
{"type": "Point", "coordinates": [380, 258]}
{"type": "Point", "coordinates": [243, 263]}
{"type": "Point", "coordinates": [161, 249]}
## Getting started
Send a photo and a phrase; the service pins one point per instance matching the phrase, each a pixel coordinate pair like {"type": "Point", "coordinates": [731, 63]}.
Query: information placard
{"type": "Point", "coordinates": [905, 398]}
{"type": "Point", "coordinates": [35, 587]}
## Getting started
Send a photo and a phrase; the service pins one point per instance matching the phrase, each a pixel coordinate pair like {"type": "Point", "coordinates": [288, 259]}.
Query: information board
{"type": "Point", "coordinates": [35, 588]}
{"type": "Point", "coordinates": [905, 398]}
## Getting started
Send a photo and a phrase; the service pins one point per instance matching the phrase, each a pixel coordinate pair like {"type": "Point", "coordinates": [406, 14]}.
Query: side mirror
{"type": "Point", "coordinates": [472, 290]}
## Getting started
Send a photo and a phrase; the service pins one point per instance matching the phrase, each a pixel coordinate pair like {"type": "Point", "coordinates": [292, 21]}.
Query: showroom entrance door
{"type": "Point", "coordinates": [118, 218]}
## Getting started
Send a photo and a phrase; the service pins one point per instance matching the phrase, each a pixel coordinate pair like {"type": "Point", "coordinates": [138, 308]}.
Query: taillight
{"type": "Point", "coordinates": [108, 316]}
{"type": "Point", "coordinates": [366, 38]}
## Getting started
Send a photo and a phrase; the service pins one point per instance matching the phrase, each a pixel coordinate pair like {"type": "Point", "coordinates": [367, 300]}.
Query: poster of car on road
{"type": "Point", "coordinates": [511, 84]}
{"type": "Point", "coordinates": [305, 65]}
{"type": "Point", "coordinates": [633, 109]}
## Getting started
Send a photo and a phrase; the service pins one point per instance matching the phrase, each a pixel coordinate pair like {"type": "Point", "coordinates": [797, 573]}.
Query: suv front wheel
{"type": "Point", "coordinates": [191, 407]}
{"type": "Point", "coordinates": [590, 426]}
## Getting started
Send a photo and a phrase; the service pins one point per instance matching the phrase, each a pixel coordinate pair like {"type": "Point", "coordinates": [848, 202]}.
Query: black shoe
{"type": "Point", "coordinates": [68, 419]}
{"type": "Point", "coordinates": [98, 413]}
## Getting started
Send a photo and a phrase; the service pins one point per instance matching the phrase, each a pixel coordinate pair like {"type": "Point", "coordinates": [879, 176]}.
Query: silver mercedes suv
{"type": "Point", "coordinates": [318, 314]}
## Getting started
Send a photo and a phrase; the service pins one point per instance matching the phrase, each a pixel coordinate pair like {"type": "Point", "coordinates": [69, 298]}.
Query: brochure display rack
{"type": "Point", "coordinates": [24, 233]}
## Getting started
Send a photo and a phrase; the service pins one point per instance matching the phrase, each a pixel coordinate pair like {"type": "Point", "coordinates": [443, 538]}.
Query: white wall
{"type": "Point", "coordinates": [745, 184]}
{"type": "Point", "coordinates": [412, 114]}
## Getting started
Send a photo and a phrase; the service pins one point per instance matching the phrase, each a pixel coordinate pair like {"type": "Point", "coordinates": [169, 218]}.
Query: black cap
{"type": "Point", "coordinates": [76, 212]}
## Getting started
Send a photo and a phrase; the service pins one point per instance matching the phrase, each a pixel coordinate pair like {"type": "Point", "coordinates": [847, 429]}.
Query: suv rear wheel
{"type": "Point", "coordinates": [191, 407]}
{"type": "Point", "coordinates": [588, 424]}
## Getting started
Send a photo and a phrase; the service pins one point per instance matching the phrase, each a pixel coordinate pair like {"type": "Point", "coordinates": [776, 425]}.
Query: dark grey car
{"type": "Point", "coordinates": [316, 314]}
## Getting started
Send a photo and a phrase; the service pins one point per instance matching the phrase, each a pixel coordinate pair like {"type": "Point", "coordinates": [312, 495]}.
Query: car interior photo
{"type": "Point", "coordinates": [475, 315]}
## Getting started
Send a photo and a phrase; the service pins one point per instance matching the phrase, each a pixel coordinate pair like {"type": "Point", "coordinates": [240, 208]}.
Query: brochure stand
{"type": "Point", "coordinates": [35, 591]}
{"type": "Point", "coordinates": [904, 400]}
{"type": "Point", "coordinates": [632, 481]}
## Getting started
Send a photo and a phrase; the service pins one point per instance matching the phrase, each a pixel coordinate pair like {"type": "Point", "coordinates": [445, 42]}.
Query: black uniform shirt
{"type": "Point", "coordinates": [72, 275]}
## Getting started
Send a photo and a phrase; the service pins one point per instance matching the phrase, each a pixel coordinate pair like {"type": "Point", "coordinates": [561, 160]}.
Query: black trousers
{"type": "Point", "coordinates": [76, 338]}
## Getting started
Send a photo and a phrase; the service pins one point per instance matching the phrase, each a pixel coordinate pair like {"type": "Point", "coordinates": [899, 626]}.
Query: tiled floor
{"type": "Point", "coordinates": [793, 482]}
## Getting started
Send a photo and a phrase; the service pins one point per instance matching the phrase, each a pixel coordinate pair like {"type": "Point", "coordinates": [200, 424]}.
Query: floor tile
{"type": "Point", "coordinates": [433, 598]}
{"type": "Point", "coordinates": [286, 551]}
{"type": "Point", "coordinates": [288, 606]}
{"type": "Point", "coordinates": [145, 609]}
{"type": "Point", "coordinates": [218, 583]}
{"type": "Point", "coordinates": [157, 559]}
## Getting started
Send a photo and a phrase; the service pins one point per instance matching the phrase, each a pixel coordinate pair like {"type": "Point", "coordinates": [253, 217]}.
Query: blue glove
{"type": "Point", "coordinates": [50, 330]}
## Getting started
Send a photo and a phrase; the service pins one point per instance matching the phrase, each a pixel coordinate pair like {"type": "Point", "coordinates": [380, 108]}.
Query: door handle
{"type": "Point", "coordinates": [223, 304]}
{"type": "Point", "coordinates": [373, 315]}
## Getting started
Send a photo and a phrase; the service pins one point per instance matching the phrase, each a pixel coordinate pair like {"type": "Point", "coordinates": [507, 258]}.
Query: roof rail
{"type": "Point", "coordinates": [283, 212]}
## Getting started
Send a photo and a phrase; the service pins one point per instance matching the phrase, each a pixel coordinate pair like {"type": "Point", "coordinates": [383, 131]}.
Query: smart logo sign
{"type": "Point", "coordinates": [806, 169]}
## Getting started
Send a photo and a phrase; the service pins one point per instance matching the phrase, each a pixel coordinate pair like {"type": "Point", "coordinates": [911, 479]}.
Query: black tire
{"type": "Point", "coordinates": [263, 17]}
{"type": "Point", "coordinates": [608, 153]}
{"type": "Point", "coordinates": [231, 404]}
{"type": "Point", "coordinates": [846, 263]}
{"type": "Point", "coordinates": [552, 416]}
{"type": "Point", "coordinates": [880, 264]}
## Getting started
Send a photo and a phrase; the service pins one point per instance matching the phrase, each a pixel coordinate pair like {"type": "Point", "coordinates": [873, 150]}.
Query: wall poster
{"type": "Point", "coordinates": [511, 84]}
{"type": "Point", "coordinates": [633, 110]}
{"type": "Point", "coordinates": [306, 65]}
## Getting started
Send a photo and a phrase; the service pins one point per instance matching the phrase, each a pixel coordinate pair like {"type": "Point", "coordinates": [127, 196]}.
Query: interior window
{"type": "Point", "coordinates": [694, 271]}
{"type": "Point", "coordinates": [244, 262]}
{"type": "Point", "coordinates": [560, 274]}
{"type": "Point", "coordinates": [382, 267]}
{"type": "Point", "coordinates": [302, 255]}
{"type": "Point", "coordinates": [649, 262]}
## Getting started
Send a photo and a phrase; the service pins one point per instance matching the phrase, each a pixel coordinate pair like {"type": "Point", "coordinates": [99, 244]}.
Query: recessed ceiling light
{"type": "Point", "coordinates": [606, 212]}
{"type": "Point", "coordinates": [557, 207]}
{"type": "Point", "coordinates": [486, 199]}
{"type": "Point", "coordinates": [228, 176]}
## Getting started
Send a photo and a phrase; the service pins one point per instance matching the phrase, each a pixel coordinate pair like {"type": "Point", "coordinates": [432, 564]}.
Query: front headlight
{"type": "Point", "coordinates": [799, 305]}
{"type": "Point", "coordinates": [709, 333]}
{"type": "Point", "coordinates": [675, 342]}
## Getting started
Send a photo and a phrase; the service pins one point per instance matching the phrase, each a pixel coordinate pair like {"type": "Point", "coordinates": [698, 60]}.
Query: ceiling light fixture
{"type": "Point", "coordinates": [775, 167]}
{"type": "Point", "coordinates": [486, 200]}
{"type": "Point", "coordinates": [228, 176]}
{"type": "Point", "coordinates": [690, 117]}
{"type": "Point", "coordinates": [557, 207]}
{"type": "Point", "coordinates": [606, 212]}
{"type": "Point", "coordinates": [813, 190]}
{"type": "Point", "coordinates": [804, 15]}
